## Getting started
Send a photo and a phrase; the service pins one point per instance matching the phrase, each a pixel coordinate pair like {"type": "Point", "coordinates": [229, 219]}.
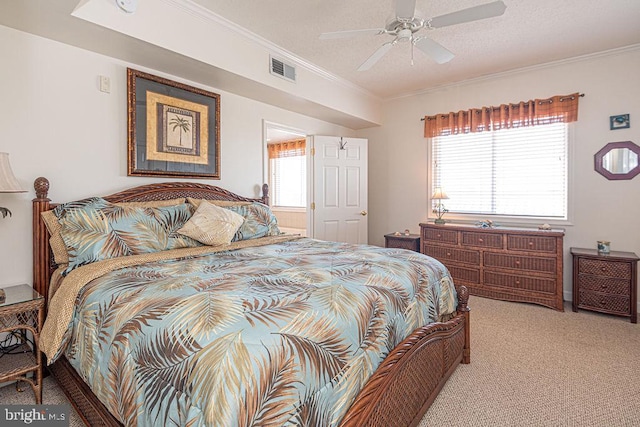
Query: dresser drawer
{"type": "Point", "coordinates": [546, 265]}
{"type": "Point", "coordinates": [607, 285]}
{"type": "Point", "coordinates": [445, 254]}
{"type": "Point", "coordinates": [513, 281]}
{"type": "Point", "coordinates": [463, 274]}
{"type": "Point", "coordinates": [485, 240]}
{"type": "Point", "coordinates": [443, 236]}
{"type": "Point", "coordinates": [532, 243]}
{"type": "Point", "coordinates": [605, 268]}
{"type": "Point", "coordinates": [606, 302]}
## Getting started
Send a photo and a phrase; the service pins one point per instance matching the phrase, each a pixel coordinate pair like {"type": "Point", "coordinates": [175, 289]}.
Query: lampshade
{"type": "Point", "coordinates": [8, 182]}
{"type": "Point", "coordinates": [439, 194]}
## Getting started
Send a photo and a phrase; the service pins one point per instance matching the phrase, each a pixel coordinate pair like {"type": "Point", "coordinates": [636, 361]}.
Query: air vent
{"type": "Point", "coordinates": [282, 69]}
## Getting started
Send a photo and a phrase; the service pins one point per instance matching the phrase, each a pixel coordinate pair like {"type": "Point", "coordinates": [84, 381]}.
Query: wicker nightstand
{"type": "Point", "coordinates": [606, 283]}
{"type": "Point", "coordinates": [403, 241]}
{"type": "Point", "coordinates": [21, 316]}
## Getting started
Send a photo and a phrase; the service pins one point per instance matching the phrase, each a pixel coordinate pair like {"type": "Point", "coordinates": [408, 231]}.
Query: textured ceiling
{"type": "Point", "coordinates": [530, 32]}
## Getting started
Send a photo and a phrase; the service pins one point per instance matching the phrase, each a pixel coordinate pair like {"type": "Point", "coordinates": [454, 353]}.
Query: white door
{"type": "Point", "coordinates": [338, 202]}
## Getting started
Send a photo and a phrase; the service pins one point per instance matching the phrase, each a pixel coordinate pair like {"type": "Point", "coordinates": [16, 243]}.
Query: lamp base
{"type": "Point", "coordinates": [439, 221]}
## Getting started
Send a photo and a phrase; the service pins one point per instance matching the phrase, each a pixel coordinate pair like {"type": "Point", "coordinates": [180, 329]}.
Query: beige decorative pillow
{"type": "Point", "coordinates": [212, 225]}
{"type": "Point", "coordinates": [59, 248]}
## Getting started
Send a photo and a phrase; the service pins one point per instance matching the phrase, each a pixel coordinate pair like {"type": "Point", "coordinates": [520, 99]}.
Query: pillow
{"type": "Point", "coordinates": [212, 225]}
{"type": "Point", "coordinates": [259, 221]}
{"type": "Point", "coordinates": [94, 229]}
{"type": "Point", "coordinates": [59, 248]}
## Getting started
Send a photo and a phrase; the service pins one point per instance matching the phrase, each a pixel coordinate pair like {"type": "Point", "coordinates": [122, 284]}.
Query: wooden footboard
{"type": "Point", "coordinates": [409, 379]}
{"type": "Point", "coordinates": [399, 392]}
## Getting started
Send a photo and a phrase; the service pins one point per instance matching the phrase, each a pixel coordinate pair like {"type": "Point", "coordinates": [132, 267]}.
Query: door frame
{"type": "Point", "coordinates": [295, 133]}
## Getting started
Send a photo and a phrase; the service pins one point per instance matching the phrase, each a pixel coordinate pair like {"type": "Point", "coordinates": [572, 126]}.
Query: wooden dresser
{"type": "Point", "coordinates": [607, 283]}
{"type": "Point", "coordinates": [512, 264]}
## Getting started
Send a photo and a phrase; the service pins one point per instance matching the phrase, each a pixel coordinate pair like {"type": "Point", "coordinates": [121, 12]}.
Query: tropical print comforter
{"type": "Point", "coordinates": [281, 334]}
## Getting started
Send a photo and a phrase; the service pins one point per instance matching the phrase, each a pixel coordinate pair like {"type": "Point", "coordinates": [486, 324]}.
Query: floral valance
{"type": "Point", "coordinates": [290, 148]}
{"type": "Point", "coordinates": [557, 109]}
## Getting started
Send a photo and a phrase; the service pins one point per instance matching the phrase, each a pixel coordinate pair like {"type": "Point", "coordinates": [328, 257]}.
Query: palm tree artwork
{"type": "Point", "coordinates": [180, 123]}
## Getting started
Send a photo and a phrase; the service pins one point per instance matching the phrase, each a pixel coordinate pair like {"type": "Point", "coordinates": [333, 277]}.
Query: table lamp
{"type": "Point", "coordinates": [8, 182]}
{"type": "Point", "coordinates": [439, 195]}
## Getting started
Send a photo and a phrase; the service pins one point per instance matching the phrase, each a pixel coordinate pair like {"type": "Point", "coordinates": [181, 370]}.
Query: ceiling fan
{"type": "Point", "coordinates": [405, 26]}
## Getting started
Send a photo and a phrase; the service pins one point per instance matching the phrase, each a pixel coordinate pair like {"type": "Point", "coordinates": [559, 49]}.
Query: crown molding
{"type": "Point", "coordinates": [574, 59]}
{"type": "Point", "coordinates": [201, 12]}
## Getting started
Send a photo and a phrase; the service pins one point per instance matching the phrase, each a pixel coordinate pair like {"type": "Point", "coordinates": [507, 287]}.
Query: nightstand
{"type": "Point", "coordinates": [21, 317]}
{"type": "Point", "coordinates": [403, 241]}
{"type": "Point", "coordinates": [607, 283]}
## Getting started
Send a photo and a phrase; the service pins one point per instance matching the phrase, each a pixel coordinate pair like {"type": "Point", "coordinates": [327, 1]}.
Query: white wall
{"type": "Point", "coordinates": [599, 209]}
{"type": "Point", "coordinates": [56, 123]}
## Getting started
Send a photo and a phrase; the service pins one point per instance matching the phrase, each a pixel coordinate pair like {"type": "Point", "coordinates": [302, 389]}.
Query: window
{"type": "Point", "coordinates": [513, 172]}
{"type": "Point", "coordinates": [288, 174]}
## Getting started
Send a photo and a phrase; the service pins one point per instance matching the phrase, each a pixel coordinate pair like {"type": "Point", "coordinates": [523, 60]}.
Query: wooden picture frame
{"type": "Point", "coordinates": [173, 128]}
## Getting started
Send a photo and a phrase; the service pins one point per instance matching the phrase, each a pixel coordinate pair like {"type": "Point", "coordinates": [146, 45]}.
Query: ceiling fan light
{"type": "Point", "coordinates": [404, 35]}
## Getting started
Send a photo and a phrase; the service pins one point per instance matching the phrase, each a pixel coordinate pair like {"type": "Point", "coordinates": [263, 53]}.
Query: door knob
{"type": "Point", "coordinates": [363, 213]}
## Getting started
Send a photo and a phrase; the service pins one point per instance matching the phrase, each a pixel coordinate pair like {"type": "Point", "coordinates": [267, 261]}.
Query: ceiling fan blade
{"type": "Point", "coordinates": [434, 49]}
{"type": "Point", "coordinates": [376, 56]}
{"type": "Point", "coordinates": [483, 11]}
{"type": "Point", "coordinates": [350, 33]}
{"type": "Point", "coordinates": [405, 8]}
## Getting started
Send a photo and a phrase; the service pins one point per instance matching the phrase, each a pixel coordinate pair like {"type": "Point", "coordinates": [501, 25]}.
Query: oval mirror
{"type": "Point", "coordinates": [618, 160]}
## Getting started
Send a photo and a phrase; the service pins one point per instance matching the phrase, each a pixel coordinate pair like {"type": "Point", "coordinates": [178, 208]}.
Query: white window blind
{"type": "Point", "coordinates": [511, 172]}
{"type": "Point", "coordinates": [288, 181]}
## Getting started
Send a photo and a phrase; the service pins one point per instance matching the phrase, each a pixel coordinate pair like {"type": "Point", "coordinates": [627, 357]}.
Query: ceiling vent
{"type": "Point", "coordinates": [282, 69]}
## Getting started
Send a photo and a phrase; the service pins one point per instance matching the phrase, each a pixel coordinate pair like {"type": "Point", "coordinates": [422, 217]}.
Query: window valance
{"type": "Point", "coordinates": [290, 148]}
{"type": "Point", "coordinates": [557, 109]}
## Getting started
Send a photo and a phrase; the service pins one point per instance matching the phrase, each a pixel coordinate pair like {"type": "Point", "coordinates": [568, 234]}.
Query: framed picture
{"type": "Point", "coordinates": [173, 128]}
{"type": "Point", "coordinates": [619, 122]}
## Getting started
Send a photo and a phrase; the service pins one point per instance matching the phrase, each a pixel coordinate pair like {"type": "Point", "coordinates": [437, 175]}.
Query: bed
{"type": "Point", "coordinates": [400, 390]}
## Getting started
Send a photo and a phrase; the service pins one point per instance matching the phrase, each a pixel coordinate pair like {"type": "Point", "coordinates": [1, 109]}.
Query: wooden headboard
{"type": "Point", "coordinates": [43, 264]}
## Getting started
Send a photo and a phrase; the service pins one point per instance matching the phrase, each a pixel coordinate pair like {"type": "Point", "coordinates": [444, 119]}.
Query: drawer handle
{"type": "Point", "coordinates": [604, 286]}
{"type": "Point", "coordinates": [530, 243]}
{"type": "Point", "coordinates": [448, 253]}
{"type": "Point", "coordinates": [603, 302]}
{"type": "Point", "coordinates": [518, 263]}
{"type": "Point", "coordinates": [604, 269]}
{"type": "Point", "coordinates": [480, 240]}
{"type": "Point", "coordinates": [517, 282]}
{"type": "Point", "coordinates": [439, 235]}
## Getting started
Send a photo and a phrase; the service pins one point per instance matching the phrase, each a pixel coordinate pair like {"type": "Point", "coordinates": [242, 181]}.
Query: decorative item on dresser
{"type": "Point", "coordinates": [402, 241]}
{"type": "Point", "coordinates": [22, 311]}
{"type": "Point", "coordinates": [511, 264]}
{"type": "Point", "coordinates": [439, 210]}
{"type": "Point", "coordinates": [607, 283]}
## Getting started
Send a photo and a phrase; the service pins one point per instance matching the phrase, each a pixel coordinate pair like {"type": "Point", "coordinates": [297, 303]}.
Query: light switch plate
{"type": "Point", "coordinates": [105, 84]}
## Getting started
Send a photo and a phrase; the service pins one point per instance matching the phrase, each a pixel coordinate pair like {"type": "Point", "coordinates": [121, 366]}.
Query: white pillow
{"type": "Point", "coordinates": [212, 225]}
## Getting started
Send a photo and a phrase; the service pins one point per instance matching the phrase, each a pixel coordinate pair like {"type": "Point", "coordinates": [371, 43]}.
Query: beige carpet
{"type": "Point", "coordinates": [533, 366]}
{"type": "Point", "coordinates": [530, 366]}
